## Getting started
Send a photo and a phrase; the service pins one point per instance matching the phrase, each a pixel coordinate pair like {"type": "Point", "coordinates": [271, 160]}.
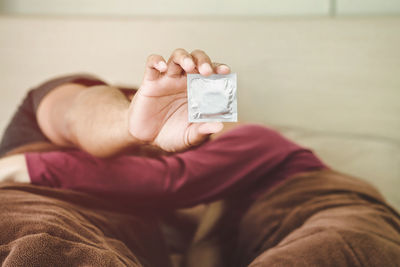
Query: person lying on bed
{"type": "Point", "coordinates": [130, 157]}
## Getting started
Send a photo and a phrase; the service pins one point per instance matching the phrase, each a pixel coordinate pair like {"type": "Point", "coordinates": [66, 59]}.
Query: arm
{"type": "Point", "coordinates": [101, 121]}
{"type": "Point", "coordinates": [91, 118]}
{"type": "Point", "coordinates": [246, 159]}
{"type": "Point", "coordinates": [23, 133]}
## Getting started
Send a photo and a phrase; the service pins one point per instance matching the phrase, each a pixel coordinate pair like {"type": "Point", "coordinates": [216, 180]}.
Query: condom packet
{"type": "Point", "coordinates": [212, 98]}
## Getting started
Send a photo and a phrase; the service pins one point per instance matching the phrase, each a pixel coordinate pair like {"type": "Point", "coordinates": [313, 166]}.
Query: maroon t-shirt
{"type": "Point", "coordinates": [248, 160]}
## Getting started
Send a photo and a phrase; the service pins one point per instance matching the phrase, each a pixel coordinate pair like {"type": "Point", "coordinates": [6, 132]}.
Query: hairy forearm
{"type": "Point", "coordinates": [93, 119]}
{"type": "Point", "coordinates": [98, 121]}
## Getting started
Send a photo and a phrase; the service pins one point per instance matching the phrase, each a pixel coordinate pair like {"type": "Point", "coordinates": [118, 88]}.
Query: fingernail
{"type": "Point", "coordinates": [224, 67]}
{"type": "Point", "coordinates": [206, 68]}
{"type": "Point", "coordinates": [188, 63]}
{"type": "Point", "coordinates": [162, 65]}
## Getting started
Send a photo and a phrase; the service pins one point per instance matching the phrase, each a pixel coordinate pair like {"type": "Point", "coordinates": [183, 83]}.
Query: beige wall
{"type": "Point", "coordinates": [347, 64]}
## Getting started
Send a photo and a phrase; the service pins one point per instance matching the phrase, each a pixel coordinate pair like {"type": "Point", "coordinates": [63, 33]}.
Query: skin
{"type": "Point", "coordinates": [104, 123]}
{"type": "Point", "coordinates": [158, 112]}
{"type": "Point", "coordinates": [14, 169]}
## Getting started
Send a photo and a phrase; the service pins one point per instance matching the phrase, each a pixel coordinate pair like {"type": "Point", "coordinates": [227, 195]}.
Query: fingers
{"type": "Point", "coordinates": [180, 61]}
{"type": "Point", "coordinates": [199, 132]}
{"type": "Point", "coordinates": [154, 67]}
{"type": "Point", "coordinates": [203, 62]}
{"type": "Point", "coordinates": [221, 68]}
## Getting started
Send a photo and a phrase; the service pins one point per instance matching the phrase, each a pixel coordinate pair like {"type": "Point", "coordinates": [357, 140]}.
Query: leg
{"type": "Point", "coordinates": [216, 238]}
{"type": "Point", "coordinates": [248, 159]}
{"type": "Point", "coordinates": [46, 227]}
{"type": "Point", "coordinates": [321, 218]}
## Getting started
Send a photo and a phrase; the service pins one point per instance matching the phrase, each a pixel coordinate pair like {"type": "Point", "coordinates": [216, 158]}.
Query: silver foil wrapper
{"type": "Point", "coordinates": [212, 98]}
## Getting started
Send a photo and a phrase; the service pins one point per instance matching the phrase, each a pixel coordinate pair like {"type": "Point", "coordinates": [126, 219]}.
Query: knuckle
{"type": "Point", "coordinates": [222, 64]}
{"type": "Point", "coordinates": [198, 51]}
{"type": "Point", "coordinates": [153, 57]}
{"type": "Point", "coordinates": [180, 51]}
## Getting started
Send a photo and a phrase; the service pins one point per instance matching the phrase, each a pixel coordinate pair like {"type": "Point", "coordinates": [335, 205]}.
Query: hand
{"type": "Point", "coordinates": [159, 113]}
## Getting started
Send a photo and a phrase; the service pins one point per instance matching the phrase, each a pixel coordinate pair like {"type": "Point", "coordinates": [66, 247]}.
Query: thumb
{"type": "Point", "coordinates": [200, 132]}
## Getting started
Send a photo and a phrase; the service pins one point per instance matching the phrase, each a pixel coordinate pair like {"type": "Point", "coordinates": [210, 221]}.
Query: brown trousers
{"type": "Point", "coordinates": [317, 219]}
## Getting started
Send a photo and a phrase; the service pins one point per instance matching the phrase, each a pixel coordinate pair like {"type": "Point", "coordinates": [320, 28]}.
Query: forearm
{"type": "Point", "coordinates": [98, 121]}
{"type": "Point", "coordinates": [246, 158]}
{"type": "Point", "coordinates": [93, 119]}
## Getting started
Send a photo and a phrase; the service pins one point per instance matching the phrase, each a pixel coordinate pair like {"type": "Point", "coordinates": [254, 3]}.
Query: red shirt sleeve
{"type": "Point", "coordinates": [249, 158]}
